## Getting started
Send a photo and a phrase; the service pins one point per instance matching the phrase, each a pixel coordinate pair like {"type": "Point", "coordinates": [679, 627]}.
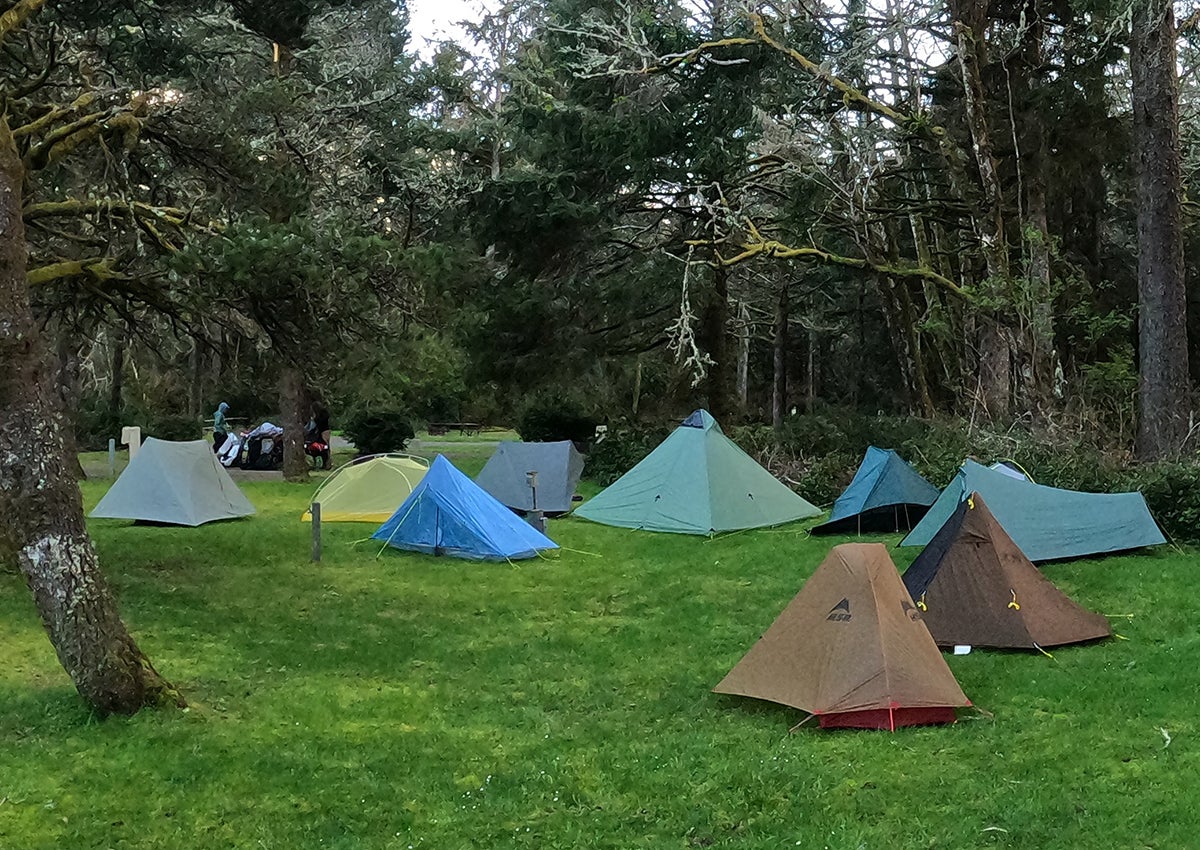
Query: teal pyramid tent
{"type": "Point", "coordinates": [696, 482]}
{"type": "Point", "coordinates": [1046, 523]}
{"type": "Point", "coordinates": [449, 514]}
{"type": "Point", "coordinates": [886, 495]}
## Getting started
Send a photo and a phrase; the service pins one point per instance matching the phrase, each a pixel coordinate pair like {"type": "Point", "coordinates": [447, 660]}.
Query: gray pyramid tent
{"type": "Point", "coordinates": [1046, 523]}
{"type": "Point", "coordinates": [886, 495]}
{"type": "Point", "coordinates": [696, 482]}
{"type": "Point", "coordinates": [558, 467]}
{"type": "Point", "coordinates": [175, 483]}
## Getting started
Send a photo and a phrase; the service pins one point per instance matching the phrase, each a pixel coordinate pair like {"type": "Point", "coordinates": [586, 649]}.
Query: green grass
{"type": "Point", "coordinates": [487, 435]}
{"type": "Point", "coordinates": [564, 703]}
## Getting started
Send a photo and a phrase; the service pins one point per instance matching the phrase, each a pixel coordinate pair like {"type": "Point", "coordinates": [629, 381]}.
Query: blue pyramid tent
{"type": "Point", "coordinates": [696, 482]}
{"type": "Point", "coordinates": [449, 514]}
{"type": "Point", "coordinates": [886, 495]}
{"type": "Point", "coordinates": [1046, 523]}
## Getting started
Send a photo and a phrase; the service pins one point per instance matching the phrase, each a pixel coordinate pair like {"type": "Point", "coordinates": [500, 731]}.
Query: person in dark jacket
{"type": "Point", "coordinates": [220, 426]}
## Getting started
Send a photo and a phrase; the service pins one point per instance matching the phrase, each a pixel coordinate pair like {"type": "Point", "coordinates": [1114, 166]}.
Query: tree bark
{"type": "Point", "coordinates": [779, 396]}
{"type": "Point", "coordinates": [1163, 392]}
{"type": "Point", "coordinates": [637, 385]}
{"type": "Point", "coordinates": [743, 361]}
{"type": "Point", "coordinates": [995, 385]}
{"type": "Point", "coordinates": [116, 387]}
{"type": "Point", "coordinates": [43, 523]}
{"type": "Point", "coordinates": [195, 381]}
{"type": "Point", "coordinates": [67, 356]}
{"type": "Point", "coordinates": [716, 343]}
{"type": "Point", "coordinates": [294, 405]}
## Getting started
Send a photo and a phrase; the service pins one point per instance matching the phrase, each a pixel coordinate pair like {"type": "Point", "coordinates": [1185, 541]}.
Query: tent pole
{"type": "Point", "coordinates": [315, 512]}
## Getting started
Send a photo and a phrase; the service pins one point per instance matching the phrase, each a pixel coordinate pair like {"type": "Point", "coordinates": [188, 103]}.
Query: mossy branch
{"type": "Point", "coordinates": [759, 246]}
{"type": "Point", "coordinates": [36, 126]}
{"type": "Point", "coordinates": [170, 216]}
{"type": "Point", "coordinates": [15, 18]}
{"type": "Point", "coordinates": [62, 141]}
{"type": "Point", "coordinates": [100, 268]}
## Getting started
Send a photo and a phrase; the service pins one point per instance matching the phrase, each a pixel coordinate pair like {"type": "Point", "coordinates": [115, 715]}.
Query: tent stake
{"type": "Point", "coordinates": [316, 532]}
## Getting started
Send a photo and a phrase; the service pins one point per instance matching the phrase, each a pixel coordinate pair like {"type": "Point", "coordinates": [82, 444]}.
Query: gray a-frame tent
{"type": "Point", "coordinates": [174, 483]}
{"type": "Point", "coordinates": [557, 466]}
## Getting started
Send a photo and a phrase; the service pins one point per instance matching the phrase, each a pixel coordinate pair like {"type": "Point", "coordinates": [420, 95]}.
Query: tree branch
{"type": "Point", "coordinates": [15, 18]}
{"type": "Point", "coordinates": [39, 124]}
{"type": "Point", "coordinates": [173, 216]}
{"type": "Point", "coordinates": [100, 268]}
{"type": "Point", "coordinates": [761, 246]}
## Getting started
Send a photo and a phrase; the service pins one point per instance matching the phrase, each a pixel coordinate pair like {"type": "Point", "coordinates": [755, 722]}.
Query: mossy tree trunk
{"type": "Point", "coordinates": [43, 525]}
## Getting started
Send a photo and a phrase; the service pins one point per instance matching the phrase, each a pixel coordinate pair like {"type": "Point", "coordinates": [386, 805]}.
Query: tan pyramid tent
{"type": "Point", "coordinates": [178, 483]}
{"type": "Point", "coordinates": [851, 648]}
{"type": "Point", "coordinates": [369, 489]}
{"type": "Point", "coordinates": [979, 589]}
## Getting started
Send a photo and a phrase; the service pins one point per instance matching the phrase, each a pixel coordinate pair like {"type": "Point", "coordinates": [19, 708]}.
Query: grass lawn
{"type": "Point", "coordinates": [407, 701]}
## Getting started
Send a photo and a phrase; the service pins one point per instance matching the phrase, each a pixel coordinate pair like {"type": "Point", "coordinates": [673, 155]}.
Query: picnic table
{"type": "Point", "coordinates": [466, 429]}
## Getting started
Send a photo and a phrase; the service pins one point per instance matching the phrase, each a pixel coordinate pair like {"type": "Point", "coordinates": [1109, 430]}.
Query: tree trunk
{"type": "Point", "coordinates": [195, 381]}
{"type": "Point", "coordinates": [116, 387]}
{"type": "Point", "coordinates": [1036, 346]}
{"type": "Point", "coordinates": [995, 387]}
{"type": "Point", "coordinates": [995, 380]}
{"type": "Point", "coordinates": [637, 385]}
{"type": "Point", "coordinates": [715, 327]}
{"type": "Point", "coordinates": [810, 391]}
{"type": "Point", "coordinates": [779, 396]}
{"type": "Point", "coordinates": [743, 361]}
{"type": "Point", "coordinates": [1163, 393]}
{"type": "Point", "coordinates": [294, 408]}
{"type": "Point", "coordinates": [43, 523]}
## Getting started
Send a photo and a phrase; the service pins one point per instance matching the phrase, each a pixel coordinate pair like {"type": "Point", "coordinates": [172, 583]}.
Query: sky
{"type": "Point", "coordinates": [434, 20]}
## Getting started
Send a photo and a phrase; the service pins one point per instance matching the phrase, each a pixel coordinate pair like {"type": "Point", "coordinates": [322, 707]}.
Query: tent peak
{"type": "Point", "coordinates": [701, 418]}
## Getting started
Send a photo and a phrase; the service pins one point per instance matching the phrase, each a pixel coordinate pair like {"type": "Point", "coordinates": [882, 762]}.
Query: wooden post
{"type": "Point", "coordinates": [316, 531]}
{"type": "Point", "coordinates": [112, 458]}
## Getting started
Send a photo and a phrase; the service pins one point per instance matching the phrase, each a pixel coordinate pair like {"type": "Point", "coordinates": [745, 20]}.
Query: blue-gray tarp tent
{"type": "Point", "coordinates": [558, 467]}
{"type": "Point", "coordinates": [696, 482]}
{"type": "Point", "coordinates": [1046, 523]}
{"type": "Point", "coordinates": [886, 495]}
{"type": "Point", "coordinates": [449, 514]}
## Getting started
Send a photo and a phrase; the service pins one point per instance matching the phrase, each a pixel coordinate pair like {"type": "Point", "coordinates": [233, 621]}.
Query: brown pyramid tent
{"type": "Point", "coordinates": [977, 588]}
{"type": "Point", "coordinates": [851, 649]}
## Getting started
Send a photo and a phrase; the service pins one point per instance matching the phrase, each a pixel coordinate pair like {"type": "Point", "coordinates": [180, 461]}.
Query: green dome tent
{"type": "Point", "coordinates": [696, 482]}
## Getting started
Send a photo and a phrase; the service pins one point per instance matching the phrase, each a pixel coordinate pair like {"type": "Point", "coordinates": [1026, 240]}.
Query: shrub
{"type": "Point", "coordinates": [1172, 492]}
{"type": "Point", "coordinates": [95, 424]}
{"type": "Point", "coordinates": [170, 426]}
{"type": "Point", "coordinates": [621, 450]}
{"type": "Point", "coordinates": [378, 431]}
{"type": "Point", "coordinates": [554, 417]}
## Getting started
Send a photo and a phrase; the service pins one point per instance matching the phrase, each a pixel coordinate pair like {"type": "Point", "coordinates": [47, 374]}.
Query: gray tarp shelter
{"type": "Point", "coordinates": [558, 466]}
{"type": "Point", "coordinates": [696, 482]}
{"type": "Point", "coordinates": [1046, 523]}
{"type": "Point", "coordinates": [174, 483]}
